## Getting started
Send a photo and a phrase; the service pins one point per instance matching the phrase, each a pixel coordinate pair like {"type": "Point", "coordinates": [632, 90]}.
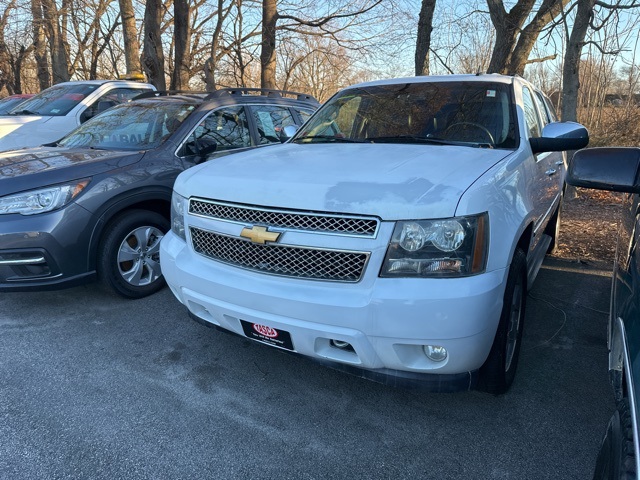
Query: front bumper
{"type": "Point", "coordinates": [386, 322]}
{"type": "Point", "coordinates": [45, 251]}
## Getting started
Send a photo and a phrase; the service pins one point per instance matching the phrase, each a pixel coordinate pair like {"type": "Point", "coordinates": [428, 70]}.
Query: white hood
{"type": "Point", "coordinates": [20, 131]}
{"type": "Point", "coordinates": [387, 180]}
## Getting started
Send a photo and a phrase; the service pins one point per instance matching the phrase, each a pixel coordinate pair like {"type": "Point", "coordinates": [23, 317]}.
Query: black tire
{"type": "Point", "coordinates": [553, 230]}
{"type": "Point", "coordinates": [499, 369]}
{"type": "Point", "coordinates": [616, 458]}
{"type": "Point", "coordinates": [129, 255]}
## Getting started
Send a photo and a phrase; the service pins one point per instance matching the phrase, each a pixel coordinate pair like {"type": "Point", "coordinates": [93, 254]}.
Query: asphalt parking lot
{"type": "Point", "coordinates": [97, 387]}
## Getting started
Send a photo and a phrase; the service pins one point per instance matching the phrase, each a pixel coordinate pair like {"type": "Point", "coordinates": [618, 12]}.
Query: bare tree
{"type": "Point", "coordinates": [59, 57]}
{"type": "Point", "coordinates": [40, 45]}
{"type": "Point", "coordinates": [182, 36]}
{"type": "Point", "coordinates": [327, 25]}
{"type": "Point", "coordinates": [423, 42]}
{"type": "Point", "coordinates": [130, 37]}
{"type": "Point", "coordinates": [515, 40]}
{"type": "Point", "coordinates": [152, 55]}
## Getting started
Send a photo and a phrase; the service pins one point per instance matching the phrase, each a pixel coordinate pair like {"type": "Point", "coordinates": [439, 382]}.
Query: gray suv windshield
{"type": "Point", "coordinates": [140, 126]}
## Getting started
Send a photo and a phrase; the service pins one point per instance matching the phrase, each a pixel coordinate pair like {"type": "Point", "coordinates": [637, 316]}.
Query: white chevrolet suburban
{"type": "Point", "coordinates": [54, 112]}
{"type": "Point", "coordinates": [393, 237]}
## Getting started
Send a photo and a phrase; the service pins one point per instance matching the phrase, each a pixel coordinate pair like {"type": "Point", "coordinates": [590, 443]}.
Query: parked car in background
{"type": "Point", "coordinates": [8, 103]}
{"type": "Point", "coordinates": [618, 170]}
{"type": "Point", "coordinates": [56, 111]}
{"type": "Point", "coordinates": [97, 202]}
{"type": "Point", "coordinates": [394, 237]}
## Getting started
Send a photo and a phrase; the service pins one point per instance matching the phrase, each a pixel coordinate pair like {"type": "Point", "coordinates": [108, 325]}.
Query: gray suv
{"type": "Point", "coordinates": [97, 202]}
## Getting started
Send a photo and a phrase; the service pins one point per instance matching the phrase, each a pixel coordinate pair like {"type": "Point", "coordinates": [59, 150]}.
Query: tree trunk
{"type": "Point", "coordinates": [423, 43]}
{"type": "Point", "coordinates": [268, 51]}
{"type": "Point", "coordinates": [59, 59]}
{"type": "Point", "coordinates": [182, 35]}
{"type": "Point", "coordinates": [130, 34]}
{"type": "Point", "coordinates": [153, 57]}
{"type": "Point", "coordinates": [571, 68]}
{"type": "Point", "coordinates": [40, 46]}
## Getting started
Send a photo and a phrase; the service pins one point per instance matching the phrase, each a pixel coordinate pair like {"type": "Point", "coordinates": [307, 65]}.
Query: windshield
{"type": "Point", "coordinates": [56, 101]}
{"type": "Point", "coordinates": [131, 126]}
{"type": "Point", "coordinates": [7, 104]}
{"type": "Point", "coordinates": [459, 113]}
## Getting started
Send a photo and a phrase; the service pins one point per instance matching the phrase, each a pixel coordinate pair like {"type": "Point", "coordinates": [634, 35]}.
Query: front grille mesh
{"type": "Point", "coordinates": [285, 219]}
{"type": "Point", "coordinates": [282, 260]}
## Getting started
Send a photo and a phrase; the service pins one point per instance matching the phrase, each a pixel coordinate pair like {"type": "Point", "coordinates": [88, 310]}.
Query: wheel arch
{"type": "Point", "coordinates": [158, 201]}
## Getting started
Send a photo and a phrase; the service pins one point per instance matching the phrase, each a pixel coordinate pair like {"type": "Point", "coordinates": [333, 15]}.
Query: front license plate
{"type": "Point", "coordinates": [266, 334]}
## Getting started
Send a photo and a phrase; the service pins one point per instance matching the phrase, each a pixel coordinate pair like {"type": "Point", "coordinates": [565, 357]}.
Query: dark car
{"type": "Point", "coordinates": [618, 170]}
{"type": "Point", "coordinates": [7, 103]}
{"type": "Point", "coordinates": [97, 202]}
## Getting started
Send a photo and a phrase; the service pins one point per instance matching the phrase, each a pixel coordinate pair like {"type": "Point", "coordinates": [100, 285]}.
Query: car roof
{"type": "Point", "coordinates": [492, 77]}
{"type": "Point", "coordinates": [234, 95]}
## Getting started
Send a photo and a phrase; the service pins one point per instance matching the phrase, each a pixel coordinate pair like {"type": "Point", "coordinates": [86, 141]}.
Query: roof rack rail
{"type": "Point", "coordinates": [166, 93]}
{"type": "Point", "coordinates": [268, 92]}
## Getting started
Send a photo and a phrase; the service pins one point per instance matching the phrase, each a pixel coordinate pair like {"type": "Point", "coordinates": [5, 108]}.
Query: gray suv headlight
{"type": "Point", "coordinates": [450, 247]}
{"type": "Point", "coordinates": [42, 200]}
{"type": "Point", "coordinates": [178, 209]}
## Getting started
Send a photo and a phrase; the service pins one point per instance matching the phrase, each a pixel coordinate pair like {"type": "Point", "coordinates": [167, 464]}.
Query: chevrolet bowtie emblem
{"type": "Point", "coordinates": [259, 235]}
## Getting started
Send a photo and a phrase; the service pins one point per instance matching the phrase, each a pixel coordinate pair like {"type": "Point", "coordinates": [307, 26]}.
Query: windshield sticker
{"type": "Point", "coordinates": [55, 110]}
{"type": "Point", "coordinates": [491, 93]}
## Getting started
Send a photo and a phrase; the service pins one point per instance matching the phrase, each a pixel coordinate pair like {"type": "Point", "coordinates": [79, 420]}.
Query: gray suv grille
{"type": "Point", "coordinates": [288, 261]}
{"type": "Point", "coordinates": [337, 224]}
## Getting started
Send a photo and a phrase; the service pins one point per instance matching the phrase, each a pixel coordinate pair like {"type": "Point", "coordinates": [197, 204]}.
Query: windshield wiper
{"type": "Point", "coordinates": [431, 141]}
{"type": "Point", "coordinates": [25, 112]}
{"type": "Point", "coordinates": [409, 139]}
{"type": "Point", "coordinates": [328, 138]}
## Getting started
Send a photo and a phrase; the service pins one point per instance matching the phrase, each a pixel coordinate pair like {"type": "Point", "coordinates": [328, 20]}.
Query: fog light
{"type": "Point", "coordinates": [342, 345]}
{"type": "Point", "coordinates": [435, 352]}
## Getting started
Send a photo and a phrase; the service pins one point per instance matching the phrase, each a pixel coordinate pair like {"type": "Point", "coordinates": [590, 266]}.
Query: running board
{"type": "Point", "coordinates": [536, 259]}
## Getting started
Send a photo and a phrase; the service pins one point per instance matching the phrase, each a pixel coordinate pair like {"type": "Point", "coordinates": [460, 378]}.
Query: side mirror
{"type": "Point", "coordinates": [614, 169]}
{"type": "Point", "coordinates": [201, 148]}
{"type": "Point", "coordinates": [559, 137]}
{"type": "Point", "coordinates": [288, 132]}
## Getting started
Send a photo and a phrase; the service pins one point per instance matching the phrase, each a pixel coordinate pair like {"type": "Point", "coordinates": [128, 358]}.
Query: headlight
{"type": "Point", "coordinates": [450, 247]}
{"type": "Point", "coordinates": [42, 200]}
{"type": "Point", "coordinates": [178, 209]}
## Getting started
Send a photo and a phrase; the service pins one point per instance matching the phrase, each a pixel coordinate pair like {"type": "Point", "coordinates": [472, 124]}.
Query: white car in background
{"type": "Point", "coordinates": [394, 237]}
{"type": "Point", "coordinates": [54, 112]}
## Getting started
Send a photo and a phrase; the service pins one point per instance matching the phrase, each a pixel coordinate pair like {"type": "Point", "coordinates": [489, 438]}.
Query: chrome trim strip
{"type": "Point", "coordinates": [631, 393]}
{"type": "Point", "coordinates": [23, 261]}
{"type": "Point", "coordinates": [288, 212]}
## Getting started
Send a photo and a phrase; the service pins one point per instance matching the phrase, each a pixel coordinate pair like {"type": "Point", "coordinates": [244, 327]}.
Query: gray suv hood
{"type": "Point", "coordinates": [22, 170]}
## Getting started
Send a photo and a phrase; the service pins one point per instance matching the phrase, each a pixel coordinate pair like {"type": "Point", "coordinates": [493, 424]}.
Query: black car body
{"type": "Point", "coordinates": [618, 170]}
{"type": "Point", "coordinates": [97, 202]}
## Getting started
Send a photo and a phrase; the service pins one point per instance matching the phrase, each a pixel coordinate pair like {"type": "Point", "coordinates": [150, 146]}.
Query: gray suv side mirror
{"type": "Point", "coordinates": [560, 136]}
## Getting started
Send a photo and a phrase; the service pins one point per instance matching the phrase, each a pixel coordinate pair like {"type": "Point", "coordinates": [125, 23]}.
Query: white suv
{"type": "Point", "coordinates": [393, 237]}
{"type": "Point", "coordinates": [54, 112]}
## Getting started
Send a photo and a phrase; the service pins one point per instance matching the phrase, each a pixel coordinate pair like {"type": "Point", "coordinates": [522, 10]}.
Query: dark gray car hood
{"type": "Point", "coordinates": [22, 170]}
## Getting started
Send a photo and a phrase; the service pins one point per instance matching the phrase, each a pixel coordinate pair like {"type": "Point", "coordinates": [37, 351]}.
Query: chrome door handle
{"type": "Point", "coordinates": [550, 172]}
{"type": "Point", "coordinates": [559, 162]}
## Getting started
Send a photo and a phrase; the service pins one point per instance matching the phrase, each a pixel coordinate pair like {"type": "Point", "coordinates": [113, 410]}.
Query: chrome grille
{"type": "Point", "coordinates": [284, 260]}
{"type": "Point", "coordinates": [346, 225]}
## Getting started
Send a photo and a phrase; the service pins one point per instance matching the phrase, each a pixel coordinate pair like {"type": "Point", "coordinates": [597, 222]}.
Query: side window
{"type": "Point", "coordinates": [304, 114]}
{"type": "Point", "coordinates": [542, 108]}
{"type": "Point", "coordinates": [224, 129]}
{"type": "Point", "coordinates": [270, 120]}
{"type": "Point", "coordinates": [530, 114]}
{"type": "Point", "coordinates": [110, 99]}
